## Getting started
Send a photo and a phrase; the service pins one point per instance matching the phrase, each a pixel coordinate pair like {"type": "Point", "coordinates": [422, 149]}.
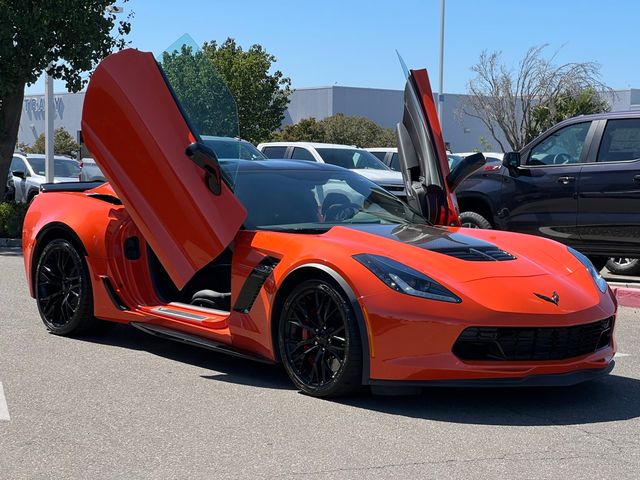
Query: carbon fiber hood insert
{"type": "Point", "coordinates": [439, 240]}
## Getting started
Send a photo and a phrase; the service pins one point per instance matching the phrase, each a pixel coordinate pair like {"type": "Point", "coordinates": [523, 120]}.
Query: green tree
{"type": "Point", "coordinates": [70, 35]}
{"type": "Point", "coordinates": [339, 128]}
{"type": "Point", "coordinates": [261, 97]}
{"type": "Point", "coordinates": [566, 105]}
{"type": "Point", "coordinates": [63, 144]}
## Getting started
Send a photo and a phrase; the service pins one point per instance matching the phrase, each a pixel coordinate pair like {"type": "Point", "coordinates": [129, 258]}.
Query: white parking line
{"type": "Point", "coordinates": [618, 354]}
{"type": "Point", "coordinates": [4, 410]}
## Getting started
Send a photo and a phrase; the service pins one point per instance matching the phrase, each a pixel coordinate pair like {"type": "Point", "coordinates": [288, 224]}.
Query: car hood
{"type": "Point", "coordinates": [383, 177]}
{"type": "Point", "coordinates": [501, 270]}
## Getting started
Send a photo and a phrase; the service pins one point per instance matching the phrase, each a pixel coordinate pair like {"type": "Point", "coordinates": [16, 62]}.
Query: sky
{"type": "Point", "coordinates": [353, 42]}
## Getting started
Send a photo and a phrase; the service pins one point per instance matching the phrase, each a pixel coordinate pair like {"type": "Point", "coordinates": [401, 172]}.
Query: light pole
{"type": "Point", "coordinates": [48, 121]}
{"type": "Point", "coordinates": [49, 113]}
{"type": "Point", "coordinates": [441, 86]}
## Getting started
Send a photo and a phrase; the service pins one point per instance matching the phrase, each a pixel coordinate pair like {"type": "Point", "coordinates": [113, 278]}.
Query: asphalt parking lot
{"type": "Point", "coordinates": [128, 405]}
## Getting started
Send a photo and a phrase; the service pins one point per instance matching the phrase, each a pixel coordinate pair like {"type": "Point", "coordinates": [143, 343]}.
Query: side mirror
{"type": "Point", "coordinates": [511, 160]}
{"type": "Point", "coordinates": [465, 167]}
{"type": "Point", "coordinates": [206, 159]}
{"type": "Point", "coordinates": [19, 174]}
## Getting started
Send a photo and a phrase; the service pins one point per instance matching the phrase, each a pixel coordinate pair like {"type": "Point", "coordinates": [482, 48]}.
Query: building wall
{"type": "Point", "coordinates": [68, 112]}
{"type": "Point", "coordinates": [462, 132]}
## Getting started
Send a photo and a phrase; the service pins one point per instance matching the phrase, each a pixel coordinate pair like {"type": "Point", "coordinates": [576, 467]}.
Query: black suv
{"type": "Point", "coordinates": [577, 183]}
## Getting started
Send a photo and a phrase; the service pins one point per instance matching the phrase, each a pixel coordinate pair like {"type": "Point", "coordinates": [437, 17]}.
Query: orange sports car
{"type": "Point", "coordinates": [305, 264]}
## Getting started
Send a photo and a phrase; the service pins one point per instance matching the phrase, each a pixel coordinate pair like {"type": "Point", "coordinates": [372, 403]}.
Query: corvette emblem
{"type": "Point", "coordinates": [555, 298]}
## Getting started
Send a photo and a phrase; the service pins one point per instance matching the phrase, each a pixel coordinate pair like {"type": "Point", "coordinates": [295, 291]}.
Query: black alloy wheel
{"type": "Point", "coordinates": [63, 289]}
{"type": "Point", "coordinates": [319, 340]}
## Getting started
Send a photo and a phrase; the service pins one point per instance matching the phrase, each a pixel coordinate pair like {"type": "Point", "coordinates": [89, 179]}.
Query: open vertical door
{"type": "Point", "coordinates": [169, 182]}
{"type": "Point", "coordinates": [422, 154]}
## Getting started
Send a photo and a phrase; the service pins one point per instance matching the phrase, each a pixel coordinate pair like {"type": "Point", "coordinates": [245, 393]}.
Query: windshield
{"type": "Point", "coordinates": [322, 199]}
{"type": "Point", "coordinates": [61, 167]}
{"type": "Point", "coordinates": [233, 148]}
{"type": "Point", "coordinates": [351, 158]}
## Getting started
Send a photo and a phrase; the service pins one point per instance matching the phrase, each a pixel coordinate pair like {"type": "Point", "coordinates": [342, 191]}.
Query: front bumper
{"type": "Point", "coordinates": [412, 340]}
{"type": "Point", "coordinates": [546, 380]}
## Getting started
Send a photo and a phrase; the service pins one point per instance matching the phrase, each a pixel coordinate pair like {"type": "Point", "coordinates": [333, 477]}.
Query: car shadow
{"type": "Point", "coordinates": [610, 398]}
{"type": "Point", "coordinates": [228, 368]}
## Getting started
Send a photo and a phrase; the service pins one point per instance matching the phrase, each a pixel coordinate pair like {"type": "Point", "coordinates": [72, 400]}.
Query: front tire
{"type": "Point", "coordinates": [319, 340]}
{"type": "Point", "coordinates": [63, 289]}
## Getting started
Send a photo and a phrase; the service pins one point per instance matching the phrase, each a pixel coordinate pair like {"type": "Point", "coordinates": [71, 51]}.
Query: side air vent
{"type": "Point", "coordinates": [254, 283]}
{"type": "Point", "coordinates": [106, 198]}
{"type": "Point", "coordinates": [477, 254]}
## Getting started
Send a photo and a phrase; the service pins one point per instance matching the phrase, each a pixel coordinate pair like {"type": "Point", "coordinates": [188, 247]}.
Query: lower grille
{"type": "Point", "coordinates": [544, 343]}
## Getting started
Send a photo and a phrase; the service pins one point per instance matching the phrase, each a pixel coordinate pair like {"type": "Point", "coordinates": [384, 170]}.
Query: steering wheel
{"type": "Point", "coordinates": [338, 212]}
{"type": "Point", "coordinates": [561, 158]}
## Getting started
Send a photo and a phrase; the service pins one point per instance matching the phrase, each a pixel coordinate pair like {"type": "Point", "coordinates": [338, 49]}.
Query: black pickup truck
{"type": "Point", "coordinates": [577, 183]}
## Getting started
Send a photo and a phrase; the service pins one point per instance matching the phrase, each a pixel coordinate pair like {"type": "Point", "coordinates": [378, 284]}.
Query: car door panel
{"type": "Point", "coordinates": [609, 191]}
{"type": "Point", "coordinates": [423, 159]}
{"type": "Point", "coordinates": [541, 196]}
{"type": "Point", "coordinates": [136, 130]}
{"type": "Point", "coordinates": [541, 201]}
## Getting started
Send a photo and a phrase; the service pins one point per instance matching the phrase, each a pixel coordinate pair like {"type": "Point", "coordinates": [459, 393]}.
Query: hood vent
{"type": "Point", "coordinates": [477, 254]}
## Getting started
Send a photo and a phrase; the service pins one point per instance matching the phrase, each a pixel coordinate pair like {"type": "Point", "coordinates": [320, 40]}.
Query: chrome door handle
{"type": "Point", "coordinates": [636, 179]}
{"type": "Point", "coordinates": [566, 180]}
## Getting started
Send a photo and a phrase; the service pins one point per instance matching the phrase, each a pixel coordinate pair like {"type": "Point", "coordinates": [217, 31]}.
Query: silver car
{"type": "Point", "coordinates": [27, 173]}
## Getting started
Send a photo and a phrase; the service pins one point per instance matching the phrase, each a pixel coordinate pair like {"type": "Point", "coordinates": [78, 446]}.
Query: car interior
{"type": "Point", "coordinates": [210, 287]}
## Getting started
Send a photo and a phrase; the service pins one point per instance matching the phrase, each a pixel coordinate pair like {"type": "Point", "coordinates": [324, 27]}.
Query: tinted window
{"type": "Point", "coordinates": [379, 155]}
{"type": "Point", "coordinates": [302, 154]}
{"type": "Point", "coordinates": [621, 141]}
{"type": "Point", "coordinates": [61, 168]}
{"type": "Point", "coordinates": [233, 148]}
{"type": "Point", "coordinates": [351, 158]}
{"type": "Point", "coordinates": [17, 164]}
{"type": "Point", "coordinates": [322, 198]}
{"type": "Point", "coordinates": [395, 162]}
{"type": "Point", "coordinates": [274, 152]}
{"type": "Point", "coordinates": [564, 146]}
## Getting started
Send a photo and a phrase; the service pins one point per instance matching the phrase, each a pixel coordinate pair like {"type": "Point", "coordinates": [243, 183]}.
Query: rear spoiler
{"type": "Point", "coordinates": [69, 186]}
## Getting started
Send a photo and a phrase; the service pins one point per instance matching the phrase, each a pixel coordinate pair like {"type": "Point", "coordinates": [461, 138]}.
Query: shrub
{"type": "Point", "coordinates": [11, 219]}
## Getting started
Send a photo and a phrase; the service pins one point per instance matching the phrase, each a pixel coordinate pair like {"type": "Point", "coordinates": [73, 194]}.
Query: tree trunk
{"type": "Point", "coordinates": [10, 111]}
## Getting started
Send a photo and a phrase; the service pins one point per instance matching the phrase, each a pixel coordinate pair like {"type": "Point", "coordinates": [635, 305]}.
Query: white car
{"type": "Point", "coordinates": [27, 171]}
{"type": "Point", "coordinates": [346, 156]}
{"type": "Point", "coordinates": [388, 156]}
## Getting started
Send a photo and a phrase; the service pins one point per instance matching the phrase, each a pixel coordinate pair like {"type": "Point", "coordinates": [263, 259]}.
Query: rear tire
{"type": "Point", "coordinates": [63, 290]}
{"type": "Point", "coordinates": [474, 220]}
{"type": "Point", "coordinates": [319, 340]}
{"type": "Point", "coordinates": [624, 266]}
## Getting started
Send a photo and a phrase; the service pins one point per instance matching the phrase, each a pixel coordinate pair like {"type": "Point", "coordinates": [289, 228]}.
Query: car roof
{"type": "Point", "coordinates": [382, 149]}
{"type": "Point", "coordinates": [604, 116]}
{"type": "Point", "coordinates": [274, 165]}
{"type": "Point", "coordinates": [308, 144]}
{"type": "Point", "coordinates": [42, 155]}
{"type": "Point", "coordinates": [223, 139]}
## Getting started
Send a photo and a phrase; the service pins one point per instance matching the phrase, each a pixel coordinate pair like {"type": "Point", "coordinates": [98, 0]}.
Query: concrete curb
{"type": "Point", "coordinates": [628, 295]}
{"type": "Point", "coordinates": [11, 242]}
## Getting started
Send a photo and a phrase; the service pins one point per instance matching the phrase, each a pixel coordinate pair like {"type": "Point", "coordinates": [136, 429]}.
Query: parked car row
{"type": "Point", "coordinates": [349, 157]}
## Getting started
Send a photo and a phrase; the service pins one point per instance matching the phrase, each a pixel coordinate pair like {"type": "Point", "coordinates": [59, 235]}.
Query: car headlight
{"type": "Point", "coordinates": [405, 279]}
{"type": "Point", "coordinates": [600, 282]}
